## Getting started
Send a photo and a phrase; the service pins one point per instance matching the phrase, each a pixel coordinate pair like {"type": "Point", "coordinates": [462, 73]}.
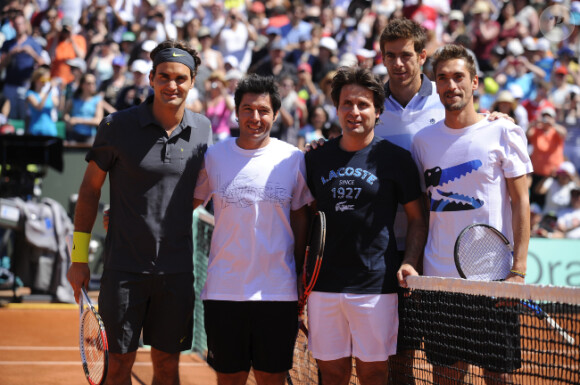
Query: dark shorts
{"type": "Point", "coordinates": [160, 305]}
{"type": "Point", "coordinates": [480, 334]}
{"type": "Point", "coordinates": [409, 337]}
{"type": "Point", "coordinates": [258, 334]}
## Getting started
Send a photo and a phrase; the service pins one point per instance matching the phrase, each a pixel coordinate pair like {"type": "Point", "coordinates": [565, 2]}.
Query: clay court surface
{"type": "Point", "coordinates": [39, 345]}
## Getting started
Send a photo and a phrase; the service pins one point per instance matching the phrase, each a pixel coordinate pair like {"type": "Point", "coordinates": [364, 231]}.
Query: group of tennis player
{"type": "Point", "coordinates": [414, 165]}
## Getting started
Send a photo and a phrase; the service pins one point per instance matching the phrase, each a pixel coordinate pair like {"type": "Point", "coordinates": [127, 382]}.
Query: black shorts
{"type": "Point", "coordinates": [478, 332]}
{"type": "Point", "coordinates": [160, 305]}
{"type": "Point", "coordinates": [409, 337]}
{"type": "Point", "coordinates": [258, 334]}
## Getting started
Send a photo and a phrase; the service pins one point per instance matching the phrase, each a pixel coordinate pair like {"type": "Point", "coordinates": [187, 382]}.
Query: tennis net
{"type": "Point", "coordinates": [467, 332]}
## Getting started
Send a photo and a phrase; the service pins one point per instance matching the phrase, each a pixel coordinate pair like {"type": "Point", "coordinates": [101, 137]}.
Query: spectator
{"type": "Point", "coordinates": [366, 58]}
{"type": "Point", "coordinates": [326, 59]}
{"type": "Point", "coordinates": [541, 100]}
{"type": "Point", "coordinates": [262, 49]}
{"type": "Point", "coordinates": [215, 19]}
{"type": "Point", "coordinates": [505, 103]}
{"type": "Point", "coordinates": [327, 24]}
{"type": "Point", "coordinates": [4, 109]}
{"type": "Point", "coordinates": [144, 52]}
{"type": "Point", "coordinates": [510, 27]}
{"type": "Point", "coordinates": [528, 17]}
{"type": "Point", "coordinates": [210, 57]}
{"type": "Point", "coordinates": [42, 99]}
{"type": "Point", "coordinates": [535, 220]}
{"type": "Point", "coordinates": [110, 88]}
{"type": "Point", "coordinates": [218, 106]}
{"type": "Point", "coordinates": [19, 57]}
{"type": "Point", "coordinates": [573, 41]}
{"type": "Point", "coordinates": [293, 112]}
{"type": "Point", "coordinates": [190, 33]}
{"type": "Point", "coordinates": [317, 122]}
{"type": "Point", "coordinates": [96, 30]}
{"type": "Point", "coordinates": [484, 32]}
{"type": "Point", "coordinates": [84, 112]}
{"type": "Point", "coordinates": [78, 68]}
{"type": "Point", "coordinates": [561, 90]}
{"type": "Point", "coordinates": [275, 65]}
{"type": "Point", "coordinates": [233, 78]}
{"type": "Point", "coordinates": [455, 27]}
{"type": "Point", "coordinates": [65, 46]}
{"type": "Point", "coordinates": [520, 112]}
{"type": "Point", "coordinates": [127, 45]}
{"type": "Point", "coordinates": [136, 92]}
{"type": "Point", "coordinates": [302, 53]}
{"type": "Point", "coordinates": [46, 22]}
{"type": "Point", "coordinates": [100, 62]}
{"type": "Point", "coordinates": [234, 37]}
{"type": "Point", "coordinates": [307, 90]}
{"type": "Point", "coordinates": [12, 9]}
{"type": "Point", "coordinates": [257, 16]}
{"type": "Point", "coordinates": [546, 138]}
{"type": "Point", "coordinates": [543, 58]}
{"type": "Point", "coordinates": [557, 188]}
{"type": "Point", "coordinates": [566, 58]}
{"type": "Point", "coordinates": [517, 69]}
{"type": "Point", "coordinates": [568, 222]}
{"type": "Point", "coordinates": [297, 28]}
{"type": "Point", "coordinates": [182, 12]}
{"type": "Point", "coordinates": [325, 99]}
{"type": "Point", "coordinates": [159, 24]}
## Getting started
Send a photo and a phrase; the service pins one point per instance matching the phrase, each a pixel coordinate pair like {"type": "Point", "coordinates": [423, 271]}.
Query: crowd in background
{"type": "Point", "coordinates": [71, 62]}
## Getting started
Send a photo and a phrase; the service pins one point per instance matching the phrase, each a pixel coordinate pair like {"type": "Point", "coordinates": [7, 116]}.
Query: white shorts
{"type": "Point", "coordinates": [342, 325]}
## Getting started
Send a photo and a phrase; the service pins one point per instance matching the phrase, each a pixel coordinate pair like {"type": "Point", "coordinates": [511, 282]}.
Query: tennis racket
{"type": "Point", "coordinates": [92, 342]}
{"type": "Point", "coordinates": [312, 262]}
{"type": "Point", "coordinates": [304, 369]}
{"type": "Point", "coordinates": [483, 253]}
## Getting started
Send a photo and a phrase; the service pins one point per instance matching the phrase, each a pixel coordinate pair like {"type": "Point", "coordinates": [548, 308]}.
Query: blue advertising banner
{"type": "Point", "coordinates": [554, 262]}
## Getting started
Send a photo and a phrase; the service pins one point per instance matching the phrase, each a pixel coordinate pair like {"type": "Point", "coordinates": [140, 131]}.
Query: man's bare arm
{"type": "Point", "coordinates": [520, 202]}
{"type": "Point", "coordinates": [85, 215]}
{"type": "Point", "coordinates": [416, 239]}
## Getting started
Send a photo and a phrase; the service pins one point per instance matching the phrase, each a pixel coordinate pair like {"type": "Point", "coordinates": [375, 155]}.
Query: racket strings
{"type": "Point", "coordinates": [93, 346]}
{"type": "Point", "coordinates": [482, 252]}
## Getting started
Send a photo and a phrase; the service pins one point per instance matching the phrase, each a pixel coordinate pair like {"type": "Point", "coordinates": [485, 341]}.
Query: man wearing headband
{"type": "Point", "coordinates": [152, 154]}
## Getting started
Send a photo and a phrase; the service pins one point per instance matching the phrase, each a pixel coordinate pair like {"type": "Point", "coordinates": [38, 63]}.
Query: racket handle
{"type": "Point", "coordinates": [559, 329]}
{"type": "Point", "coordinates": [543, 315]}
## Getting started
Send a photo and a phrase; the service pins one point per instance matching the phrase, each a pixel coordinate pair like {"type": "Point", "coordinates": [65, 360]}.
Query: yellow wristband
{"type": "Point", "coordinates": [80, 249]}
{"type": "Point", "coordinates": [518, 273]}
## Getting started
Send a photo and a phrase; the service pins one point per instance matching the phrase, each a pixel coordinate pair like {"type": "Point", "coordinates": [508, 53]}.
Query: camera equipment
{"type": "Point", "coordinates": [24, 160]}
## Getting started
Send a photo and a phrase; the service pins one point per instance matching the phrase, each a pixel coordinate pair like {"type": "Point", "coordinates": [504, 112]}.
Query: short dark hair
{"type": "Point", "coordinates": [454, 51]}
{"type": "Point", "coordinates": [176, 44]}
{"type": "Point", "coordinates": [404, 29]}
{"type": "Point", "coordinates": [256, 84]}
{"type": "Point", "coordinates": [362, 77]}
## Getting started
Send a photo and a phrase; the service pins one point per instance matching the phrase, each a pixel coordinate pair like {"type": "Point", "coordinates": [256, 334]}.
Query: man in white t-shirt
{"type": "Point", "coordinates": [260, 198]}
{"type": "Point", "coordinates": [475, 172]}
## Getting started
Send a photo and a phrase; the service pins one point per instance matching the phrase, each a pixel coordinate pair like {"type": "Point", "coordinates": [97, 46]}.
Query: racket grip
{"type": "Point", "coordinates": [558, 328]}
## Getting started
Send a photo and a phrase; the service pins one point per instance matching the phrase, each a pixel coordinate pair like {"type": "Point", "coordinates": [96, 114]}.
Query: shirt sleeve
{"type": "Point", "coordinates": [301, 194]}
{"type": "Point", "coordinates": [517, 160]}
{"type": "Point", "coordinates": [103, 152]}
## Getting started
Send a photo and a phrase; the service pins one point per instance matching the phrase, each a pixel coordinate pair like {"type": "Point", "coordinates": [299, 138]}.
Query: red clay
{"type": "Point", "coordinates": [40, 346]}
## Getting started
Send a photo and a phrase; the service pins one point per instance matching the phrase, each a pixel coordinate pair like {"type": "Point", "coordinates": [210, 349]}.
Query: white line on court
{"type": "Point", "coordinates": [78, 363]}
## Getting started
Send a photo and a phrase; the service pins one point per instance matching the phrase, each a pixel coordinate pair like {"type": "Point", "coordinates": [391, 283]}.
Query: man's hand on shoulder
{"type": "Point", "coordinates": [498, 115]}
{"type": "Point", "coordinates": [314, 144]}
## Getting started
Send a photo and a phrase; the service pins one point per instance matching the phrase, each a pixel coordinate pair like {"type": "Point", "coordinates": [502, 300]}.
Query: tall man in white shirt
{"type": "Point", "coordinates": [475, 171]}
